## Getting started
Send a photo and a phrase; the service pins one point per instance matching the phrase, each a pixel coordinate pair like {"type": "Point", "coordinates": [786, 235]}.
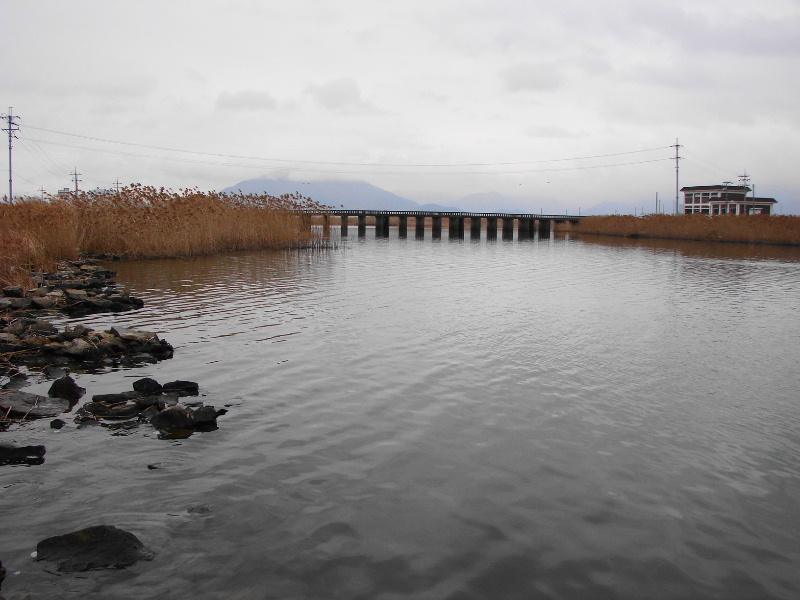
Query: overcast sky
{"type": "Point", "coordinates": [430, 99]}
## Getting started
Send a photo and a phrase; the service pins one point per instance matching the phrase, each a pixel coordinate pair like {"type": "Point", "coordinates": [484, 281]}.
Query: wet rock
{"type": "Point", "coordinates": [184, 388]}
{"type": "Point", "coordinates": [116, 398]}
{"type": "Point", "coordinates": [57, 424]}
{"type": "Point", "coordinates": [110, 411]}
{"type": "Point", "coordinates": [173, 418]}
{"type": "Point", "coordinates": [22, 455]}
{"type": "Point", "coordinates": [81, 349]}
{"type": "Point", "coordinates": [22, 404]}
{"type": "Point", "coordinates": [16, 381]}
{"type": "Point", "coordinates": [147, 386]}
{"type": "Point", "coordinates": [98, 547]}
{"type": "Point", "coordinates": [204, 418]}
{"type": "Point", "coordinates": [65, 387]}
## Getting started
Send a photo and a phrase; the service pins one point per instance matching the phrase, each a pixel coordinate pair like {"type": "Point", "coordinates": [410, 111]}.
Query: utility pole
{"type": "Point", "coordinates": [677, 146]}
{"type": "Point", "coordinates": [744, 180]}
{"type": "Point", "coordinates": [116, 185]}
{"type": "Point", "coordinates": [75, 178]}
{"type": "Point", "coordinates": [10, 127]}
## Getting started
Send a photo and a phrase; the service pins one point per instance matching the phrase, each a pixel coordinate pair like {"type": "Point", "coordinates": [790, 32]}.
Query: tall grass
{"type": "Point", "coordinates": [765, 229]}
{"type": "Point", "coordinates": [145, 222]}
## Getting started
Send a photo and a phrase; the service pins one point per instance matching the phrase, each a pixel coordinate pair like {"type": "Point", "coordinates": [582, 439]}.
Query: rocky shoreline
{"type": "Point", "coordinates": [30, 343]}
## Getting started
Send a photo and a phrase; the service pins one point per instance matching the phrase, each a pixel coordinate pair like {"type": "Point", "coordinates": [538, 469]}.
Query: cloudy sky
{"type": "Point", "coordinates": [561, 104]}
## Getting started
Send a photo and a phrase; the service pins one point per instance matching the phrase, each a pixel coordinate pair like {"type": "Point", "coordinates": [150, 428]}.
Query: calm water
{"type": "Point", "coordinates": [566, 419]}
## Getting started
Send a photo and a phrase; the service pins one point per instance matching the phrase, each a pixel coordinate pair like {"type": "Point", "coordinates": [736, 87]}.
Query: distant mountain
{"type": "Point", "coordinates": [346, 194]}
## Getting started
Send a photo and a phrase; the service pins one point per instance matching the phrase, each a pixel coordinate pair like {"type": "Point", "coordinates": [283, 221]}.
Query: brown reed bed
{"type": "Point", "coordinates": [145, 222]}
{"type": "Point", "coordinates": [758, 229]}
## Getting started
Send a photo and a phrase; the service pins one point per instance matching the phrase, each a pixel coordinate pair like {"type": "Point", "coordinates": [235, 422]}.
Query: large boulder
{"type": "Point", "coordinates": [98, 547]}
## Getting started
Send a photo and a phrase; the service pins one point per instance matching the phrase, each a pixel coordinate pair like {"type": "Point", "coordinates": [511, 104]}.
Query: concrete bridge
{"type": "Point", "coordinates": [527, 224]}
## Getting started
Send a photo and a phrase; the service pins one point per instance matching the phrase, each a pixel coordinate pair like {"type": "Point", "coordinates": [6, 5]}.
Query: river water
{"type": "Point", "coordinates": [553, 418]}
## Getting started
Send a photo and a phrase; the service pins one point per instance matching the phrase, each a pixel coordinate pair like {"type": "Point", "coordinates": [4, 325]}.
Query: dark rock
{"type": "Point", "coordinates": [81, 349]}
{"type": "Point", "coordinates": [148, 413]}
{"type": "Point", "coordinates": [17, 381]}
{"type": "Point", "coordinates": [73, 333]}
{"type": "Point", "coordinates": [147, 386]}
{"type": "Point", "coordinates": [174, 418]}
{"type": "Point", "coordinates": [113, 411]}
{"type": "Point", "coordinates": [19, 404]}
{"type": "Point", "coordinates": [116, 398]}
{"type": "Point", "coordinates": [40, 327]}
{"type": "Point", "coordinates": [57, 424]}
{"type": "Point", "coordinates": [42, 303]}
{"type": "Point", "coordinates": [21, 303]}
{"type": "Point", "coordinates": [23, 455]}
{"type": "Point", "coordinates": [99, 547]}
{"type": "Point", "coordinates": [53, 372]}
{"type": "Point", "coordinates": [65, 387]}
{"type": "Point", "coordinates": [205, 417]}
{"type": "Point", "coordinates": [13, 292]}
{"type": "Point", "coordinates": [184, 388]}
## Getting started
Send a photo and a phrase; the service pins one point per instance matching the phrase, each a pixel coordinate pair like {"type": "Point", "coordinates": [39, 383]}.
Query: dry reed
{"type": "Point", "coordinates": [763, 229]}
{"type": "Point", "coordinates": [145, 222]}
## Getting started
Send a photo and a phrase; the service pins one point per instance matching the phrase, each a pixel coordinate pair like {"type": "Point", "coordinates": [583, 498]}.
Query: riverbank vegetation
{"type": "Point", "coordinates": [763, 229]}
{"type": "Point", "coordinates": [144, 222]}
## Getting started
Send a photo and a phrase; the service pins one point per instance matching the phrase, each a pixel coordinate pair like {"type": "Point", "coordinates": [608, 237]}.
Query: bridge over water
{"type": "Point", "coordinates": [526, 224]}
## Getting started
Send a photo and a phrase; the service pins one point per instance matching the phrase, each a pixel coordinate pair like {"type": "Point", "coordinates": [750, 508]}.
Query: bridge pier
{"type": "Point", "coordinates": [456, 228]}
{"type": "Point", "coordinates": [362, 225]}
{"type": "Point", "coordinates": [382, 226]}
{"type": "Point", "coordinates": [544, 227]}
{"type": "Point", "coordinates": [343, 221]}
{"type": "Point", "coordinates": [491, 228]}
{"type": "Point", "coordinates": [326, 226]}
{"type": "Point", "coordinates": [419, 227]}
{"type": "Point", "coordinates": [524, 229]}
{"type": "Point", "coordinates": [436, 227]}
{"type": "Point", "coordinates": [508, 228]}
{"type": "Point", "coordinates": [475, 228]}
{"type": "Point", "coordinates": [403, 228]}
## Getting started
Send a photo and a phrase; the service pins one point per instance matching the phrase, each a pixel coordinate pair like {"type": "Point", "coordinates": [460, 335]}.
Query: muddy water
{"type": "Point", "coordinates": [555, 418]}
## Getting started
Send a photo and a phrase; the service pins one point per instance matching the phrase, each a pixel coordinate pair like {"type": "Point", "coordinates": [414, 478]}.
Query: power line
{"type": "Point", "coordinates": [346, 164]}
{"type": "Point", "coordinates": [351, 172]}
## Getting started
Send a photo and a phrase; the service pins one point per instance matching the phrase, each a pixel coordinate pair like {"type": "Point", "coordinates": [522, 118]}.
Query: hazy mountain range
{"type": "Point", "coordinates": [362, 195]}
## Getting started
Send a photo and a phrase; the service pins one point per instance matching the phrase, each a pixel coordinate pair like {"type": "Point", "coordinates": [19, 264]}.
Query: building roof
{"type": "Point", "coordinates": [727, 188]}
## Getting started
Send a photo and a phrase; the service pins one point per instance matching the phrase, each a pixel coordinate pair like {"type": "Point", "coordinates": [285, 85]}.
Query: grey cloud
{"type": "Point", "coordinates": [532, 76]}
{"type": "Point", "coordinates": [341, 95]}
{"type": "Point", "coordinates": [246, 100]}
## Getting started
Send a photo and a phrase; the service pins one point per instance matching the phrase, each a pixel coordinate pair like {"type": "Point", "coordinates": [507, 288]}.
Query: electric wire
{"type": "Point", "coordinates": [347, 164]}
{"type": "Point", "coordinates": [349, 172]}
